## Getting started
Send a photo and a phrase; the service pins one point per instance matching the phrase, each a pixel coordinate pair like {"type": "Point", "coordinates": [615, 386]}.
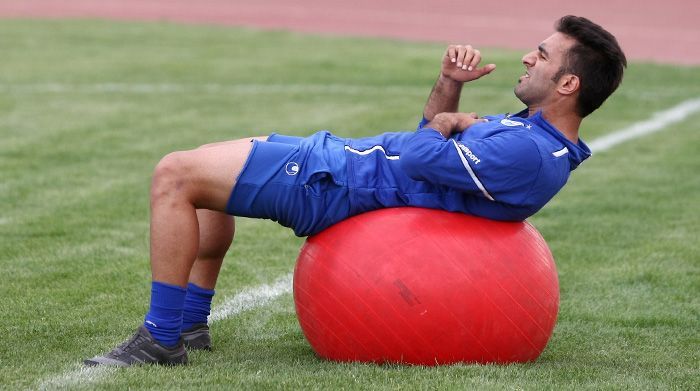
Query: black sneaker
{"type": "Point", "coordinates": [141, 349]}
{"type": "Point", "coordinates": [197, 337]}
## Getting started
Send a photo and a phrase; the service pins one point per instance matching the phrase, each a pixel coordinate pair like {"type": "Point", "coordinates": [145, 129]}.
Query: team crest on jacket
{"type": "Point", "coordinates": [292, 168]}
{"type": "Point", "coordinates": [508, 122]}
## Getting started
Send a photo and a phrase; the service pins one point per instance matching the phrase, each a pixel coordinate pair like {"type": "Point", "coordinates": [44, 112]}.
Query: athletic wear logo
{"type": "Point", "coordinates": [152, 324]}
{"type": "Point", "coordinates": [508, 122]}
{"type": "Point", "coordinates": [292, 168]}
{"type": "Point", "coordinates": [461, 150]}
{"type": "Point", "coordinates": [469, 153]}
{"type": "Point", "coordinates": [561, 152]}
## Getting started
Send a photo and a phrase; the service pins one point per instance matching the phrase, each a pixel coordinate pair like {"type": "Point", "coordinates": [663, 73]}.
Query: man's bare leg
{"type": "Point", "coordinates": [183, 182]}
{"type": "Point", "coordinates": [215, 236]}
{"type": "Point", "coordinates": [216, 232]}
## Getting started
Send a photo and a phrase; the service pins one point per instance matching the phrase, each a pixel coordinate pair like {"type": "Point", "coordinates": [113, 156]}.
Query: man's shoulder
{"type": "Point", "coordinates": [501, 127]}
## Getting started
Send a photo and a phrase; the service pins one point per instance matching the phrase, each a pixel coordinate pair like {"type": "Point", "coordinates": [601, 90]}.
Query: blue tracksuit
{"type": "Point", "coordinates": [504, 169]}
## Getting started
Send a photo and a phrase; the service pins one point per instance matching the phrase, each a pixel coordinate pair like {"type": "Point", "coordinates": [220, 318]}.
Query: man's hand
{"type": "Point", "coordinates": [448, 123]}
{"type": "Point", "coordinates": [461, 63]}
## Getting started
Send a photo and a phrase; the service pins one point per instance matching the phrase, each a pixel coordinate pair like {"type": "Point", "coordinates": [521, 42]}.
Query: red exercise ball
{"type": "Point", "coordinates": [427, 287]}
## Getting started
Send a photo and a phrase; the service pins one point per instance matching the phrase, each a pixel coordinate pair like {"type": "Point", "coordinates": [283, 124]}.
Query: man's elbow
{"type": "Point", "coordinates": [421, 153]}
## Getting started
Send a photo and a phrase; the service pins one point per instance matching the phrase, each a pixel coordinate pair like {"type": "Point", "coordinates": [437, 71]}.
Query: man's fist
{"type": "Point", "coordinates": [461, 63]}
{"type": "Point", "coordinates": [448, 123]}
{"type": "Point", "coordinates": [464, 120]}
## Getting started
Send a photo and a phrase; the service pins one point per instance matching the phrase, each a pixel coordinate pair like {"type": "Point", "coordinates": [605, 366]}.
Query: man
{"type": "Point", "coordinates": [501, 167]}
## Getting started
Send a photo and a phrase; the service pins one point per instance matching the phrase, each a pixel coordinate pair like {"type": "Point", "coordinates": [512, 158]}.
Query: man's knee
{"type": "Point", "coordinates": [171, 175]}
{"type": "Point", "coordinates": [203, 177]}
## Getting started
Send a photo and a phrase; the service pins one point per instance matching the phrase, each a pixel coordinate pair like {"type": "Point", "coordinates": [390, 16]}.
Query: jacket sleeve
{"type": "Point", "coordinates": [422, 123]}
{"type": "Point", "coordinates": [502, 167]}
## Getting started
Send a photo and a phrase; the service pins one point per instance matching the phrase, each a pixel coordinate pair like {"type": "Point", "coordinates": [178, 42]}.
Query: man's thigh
{"type": "Point", "coordinates": [273, 138]}
{"type": "Point", "coordinates": [208, 173]}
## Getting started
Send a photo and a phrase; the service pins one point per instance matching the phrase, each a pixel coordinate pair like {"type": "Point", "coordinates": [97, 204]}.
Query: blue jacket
{"type": "Point", "coordinates": [505, 169]}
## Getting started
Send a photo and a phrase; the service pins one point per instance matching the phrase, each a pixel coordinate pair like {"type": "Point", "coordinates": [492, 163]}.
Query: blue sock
{"type": "Point", "coordinates": [197, 306]}
{"type": "Point", "coordinates": [164, 318]}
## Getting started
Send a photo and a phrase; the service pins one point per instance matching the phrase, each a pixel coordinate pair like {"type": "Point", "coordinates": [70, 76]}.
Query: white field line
{"type": "Point", "coordinates": [243, 301]}
{"type": "Point", "coordinates": [252, 298]}
{"type": "Point", "coordinates": [263, 294]}
{"type": "Point", "coordinates": [83, 376]}
{"type": "Point", "coordinates": [658, 121]}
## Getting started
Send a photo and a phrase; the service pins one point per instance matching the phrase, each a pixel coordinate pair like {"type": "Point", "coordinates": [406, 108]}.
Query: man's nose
{"type": "Point", "coordinates": [529, 59]}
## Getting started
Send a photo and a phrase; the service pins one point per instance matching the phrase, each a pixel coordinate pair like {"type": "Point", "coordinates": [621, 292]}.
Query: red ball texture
{"type": "Point", "coordinates": [427, 287]}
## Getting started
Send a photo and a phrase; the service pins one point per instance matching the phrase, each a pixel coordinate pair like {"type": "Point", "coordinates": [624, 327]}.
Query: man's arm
{"type": "Point", "coordinates": [448, 123]}
{"type": "Point", "coordinates": [502, 167]}
{"type": "Point", "coordinates": [459, 65]}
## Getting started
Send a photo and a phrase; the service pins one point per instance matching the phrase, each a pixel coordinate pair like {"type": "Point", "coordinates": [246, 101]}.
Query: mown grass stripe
{"type": "Point", "coordinates": [207, 88]}
{"type": "Point", "coordinates": [137, 88]}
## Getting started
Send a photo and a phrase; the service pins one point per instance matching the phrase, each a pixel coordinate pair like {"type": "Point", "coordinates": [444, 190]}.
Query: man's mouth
{"type": "Point", "coordinates": [525, 76]}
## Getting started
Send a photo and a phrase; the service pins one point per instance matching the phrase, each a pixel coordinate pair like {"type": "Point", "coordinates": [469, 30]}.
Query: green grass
{"type": "Point", "coordinates": [88, 108]}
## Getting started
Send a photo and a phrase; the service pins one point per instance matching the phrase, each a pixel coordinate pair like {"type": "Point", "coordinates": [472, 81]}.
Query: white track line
{"type": "Point", "coordinates": [252, 298]}
{"type": "Point", "coordinates": [243, 301]}
{"type": "Point", "coordinates": [658, 121]}
{"type": "Point", "coordinates": [261, 295]}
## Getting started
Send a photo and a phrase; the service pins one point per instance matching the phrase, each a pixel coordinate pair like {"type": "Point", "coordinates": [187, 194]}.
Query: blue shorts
{"type": "Point", "coordinates": [299, 182]}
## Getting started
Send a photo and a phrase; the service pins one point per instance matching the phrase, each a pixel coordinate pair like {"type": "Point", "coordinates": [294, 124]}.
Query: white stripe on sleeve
{"type": "Point", "coordinates": [471, 172]}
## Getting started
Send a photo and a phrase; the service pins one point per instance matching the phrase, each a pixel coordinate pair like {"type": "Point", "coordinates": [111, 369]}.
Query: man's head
{"type": "Point", "coordinates": [581, 61]}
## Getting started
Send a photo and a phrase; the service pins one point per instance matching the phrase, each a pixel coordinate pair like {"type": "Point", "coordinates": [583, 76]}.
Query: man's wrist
{"type": "Point", "coordinates": [450, 81]}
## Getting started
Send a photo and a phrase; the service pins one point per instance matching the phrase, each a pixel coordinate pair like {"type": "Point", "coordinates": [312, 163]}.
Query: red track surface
{"type": "Point", "coordinates": [663, 31]}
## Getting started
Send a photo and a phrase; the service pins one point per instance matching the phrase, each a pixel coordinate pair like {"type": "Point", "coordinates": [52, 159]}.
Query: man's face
{"type": "Point", "coordinates": [536, 86]}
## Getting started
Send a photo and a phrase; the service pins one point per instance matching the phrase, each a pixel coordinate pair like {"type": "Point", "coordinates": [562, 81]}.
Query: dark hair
{"type": "Point", "coordinates": [596, 59]}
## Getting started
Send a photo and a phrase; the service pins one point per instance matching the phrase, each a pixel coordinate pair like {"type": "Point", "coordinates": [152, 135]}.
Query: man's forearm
{"type": "Point", "coordinates": [448, 123]}
{"type": "Point", "coordinates": [444, 98]}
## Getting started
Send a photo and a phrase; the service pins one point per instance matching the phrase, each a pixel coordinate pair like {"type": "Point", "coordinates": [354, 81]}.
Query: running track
{"type": "Point", "coordinates": [661, 31]}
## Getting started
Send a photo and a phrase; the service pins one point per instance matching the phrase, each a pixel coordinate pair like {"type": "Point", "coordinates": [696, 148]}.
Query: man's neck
{"type": "Point", "coordinates": [565, 121]}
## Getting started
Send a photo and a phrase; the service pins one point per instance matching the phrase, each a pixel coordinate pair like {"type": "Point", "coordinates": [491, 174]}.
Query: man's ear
{"type": "Point", "coordinates": [569, 84]}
